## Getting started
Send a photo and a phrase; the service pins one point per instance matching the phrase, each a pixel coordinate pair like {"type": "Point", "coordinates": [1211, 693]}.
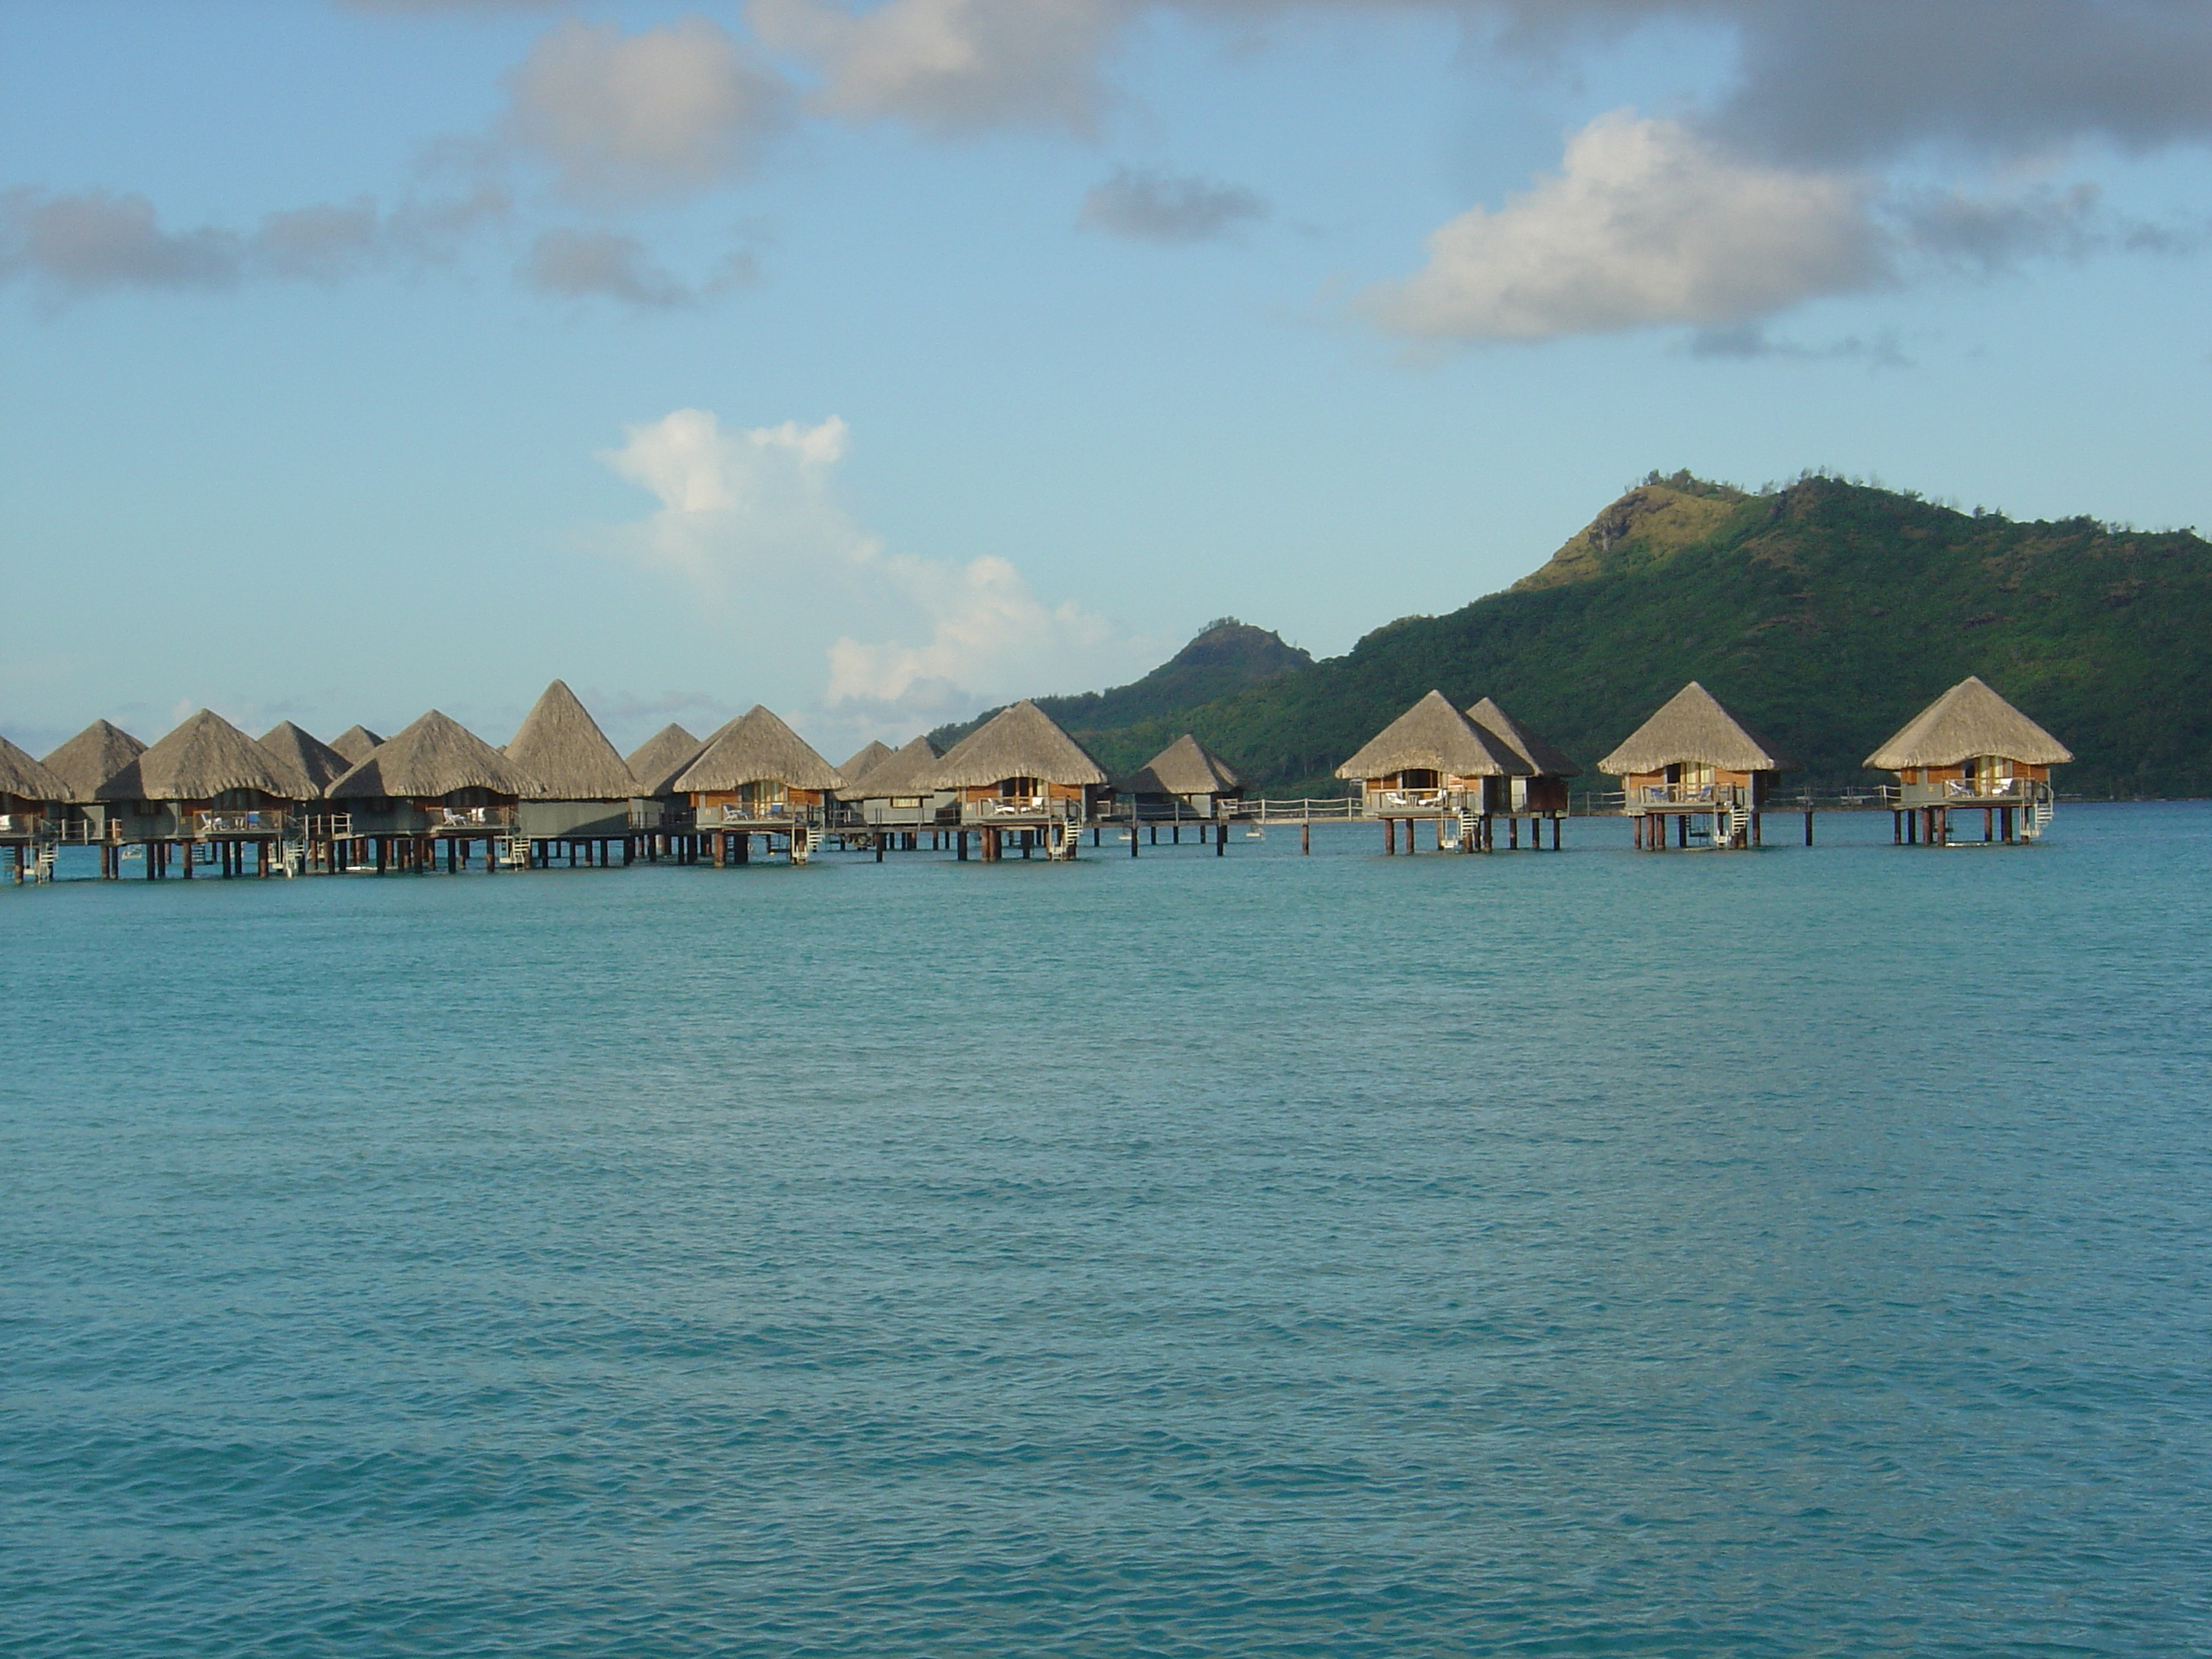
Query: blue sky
{"type": "Point", "coordinates": [879, 364]}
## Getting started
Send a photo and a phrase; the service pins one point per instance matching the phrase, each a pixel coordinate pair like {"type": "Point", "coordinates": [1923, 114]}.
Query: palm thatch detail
{"type": "Point", "coordinates": [911, 771]}
{"type": "Point", "coordinates": [560, 746]}
{"type": "Point", "coordinates": [1694, 727]}
{"type": "Point", "coordinates": [321, 764]}
{"type": "Point", "coordinates": [1019, 742]}
{"type": "Point", "coordinates": [1967, 722]}
{"type": "Point", "coordinates": [1545, 758]}
{"type": "Point", "coordinates": [656, 762]}
{"type": "Point", "coordinates": [204, 757]}
{"type": "Point", "coordinates": [27, 779]}
{"type": "Point", "coordinates": [356, 743]}
{"type": "Point", "coordinates": [855, 770]}
{"type": "Point", "coordinates": [1432, 736]}
{"type": "Point", "coordinates": [91, 758]}
{"type": "Point", "coordinates": [437, 756]}
{"type": "Point", "coordinates": [755, 748]}
{"type": "Point", "coordinates": [1185, 767]}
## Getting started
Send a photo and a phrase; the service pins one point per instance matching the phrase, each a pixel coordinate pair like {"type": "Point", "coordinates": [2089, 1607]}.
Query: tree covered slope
{"type": "Point", "coordinates": [1825, 612]}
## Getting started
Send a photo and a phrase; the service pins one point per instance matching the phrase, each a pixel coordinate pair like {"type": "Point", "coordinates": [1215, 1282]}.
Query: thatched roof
{"type": "Point", "coordinates": [91, 758]}
{"type": "Point", "coordinates": [756, 748]}
{"type": "Point", "coordinates": [1546, 758]}
{"type": "Point", "coordinates": [855, 770]}
{"type": "Point", "coordinates": [1020, 742]}
{"type": "Point", "coordinates": [323, 765]}
{"type": "Point", "coordinates": [201, 759]}
{"type": "Point", "coordinates": [1694, 726]}
{"type": "Point", "coordinates": [435, 756]}
{"type": "Point", "coordinates": [1968, 721]}
{"type": "Point", "coordinates": [356, 743]}
{"type": "Point", "coordinates": [1185, 767]}
{"type": "Point", "coordinates": [1433, 736]}
{"type": "Point", "coordinates": [655, 763]}
{"type": "Point", "coordinates": [27, 779]}
{"type": "Point", "coordinates": [912, 771]}
{"type": "Point", "coordinates": [561, 746]}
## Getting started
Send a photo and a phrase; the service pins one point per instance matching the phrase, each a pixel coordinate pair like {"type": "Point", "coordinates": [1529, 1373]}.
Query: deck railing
{"type": "Point", "coordinates": [13, 825]}
{"type": "Point", "coordinates": [772, 811]}
{"type": "Point", "coordinates": [445, 820]}
{"type": "Point", "coordinates": [1312, 807]}
{"type": "Point", "coordinates": [254, 823]}
{"type": "Point", "coordinates": [2001, 791]}
{"type": "Point", "coordinates": [1001, 809]}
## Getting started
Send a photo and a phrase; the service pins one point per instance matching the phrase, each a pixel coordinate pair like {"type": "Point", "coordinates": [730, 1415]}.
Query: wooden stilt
{"type": "Point", "coordinates": [1555, 835]}
{"type": "Point", "coordinates": [1220, 840]}
{"type": "Point", "coordinates": [1390, 836]}
{"type": "Point", "coordinates": [1306, 835]}
{"type": "Point", "coordinates": [1513, 835]}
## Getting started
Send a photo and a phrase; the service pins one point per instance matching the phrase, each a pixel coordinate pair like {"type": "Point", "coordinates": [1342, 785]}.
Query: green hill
{"type": "Point", "coordinates": [1825, 612]}
{"type": "Point", "coordinates": [1226, 657]}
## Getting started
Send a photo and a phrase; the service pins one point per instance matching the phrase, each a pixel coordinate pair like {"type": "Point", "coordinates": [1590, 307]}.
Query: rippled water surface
{"type": "Point", "coordinates": [1790, 1253]}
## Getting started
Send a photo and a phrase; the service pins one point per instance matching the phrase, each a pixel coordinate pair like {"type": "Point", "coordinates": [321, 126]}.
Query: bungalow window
{"type": "Point", "coordinates": [237, 800]}
{"type": "Point", "coordinates": [1018, 788]}
{"type": "Point", "coordinates": [1417, 777]}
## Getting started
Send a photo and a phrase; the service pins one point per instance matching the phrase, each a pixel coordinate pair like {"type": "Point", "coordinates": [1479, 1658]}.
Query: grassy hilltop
{"type": "Point", "coordinates": [1825, 612]}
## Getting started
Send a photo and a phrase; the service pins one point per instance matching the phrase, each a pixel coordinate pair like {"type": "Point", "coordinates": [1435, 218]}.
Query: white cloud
{"type": "Point", "coordinates": [1153, 206]}
{"type": "Point", "coordinates": [1645, 222]}
{"type": "Point", "coordinates": [752, 521]}
{"type": "Point", "coordinates": [950, 66]}
{"type": "Point", "coordinates": [605, 265]}
{"type": "Point", "coordinates": [670, 110]}
{"type": "Point", "coordinates": [97, 240]}
{"type": "Point", "coordinates": [81, 243]}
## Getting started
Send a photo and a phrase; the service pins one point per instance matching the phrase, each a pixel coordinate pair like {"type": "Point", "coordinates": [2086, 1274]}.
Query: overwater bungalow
{"type": "Point", "coordinates": [435, 784]}
{"type": "Point", "coordinates": [1694, 760]}
{"type": "Point", "coordinates": [659, 808]}
{"type": "Point", "coordinates": [317, 761]}
{"type": "Point", "coordinates": [31, 801]}
{"type": "Point", "coordinates": [580, 789]}
{"type": "Point", "coordinates": [1184, 780]}
{"type": "Point", "coordinates": [1434, 762]}
{"type": "Point", "coordinates": [356, 743]}
{"type": "Point", "coordinates": [1018, 773]}
{"type": "Point", "coordinates": [1543, 792]}
{"type": "Point", "coordinates": [206, 793]}
{"type": "Point", "coordinates": [1969, 748]}
{"type": "Point", "coordinates": [756, 776]}
{"type": "Point", "coordinates": [862, 762]}
{"type": "Point", "coordinates": [899, 797]}
{"type": "Point", "coordinates": [85, 763]}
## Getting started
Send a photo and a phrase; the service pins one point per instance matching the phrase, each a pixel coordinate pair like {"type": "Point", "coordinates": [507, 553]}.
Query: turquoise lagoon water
{"type": "Point", "coordinates": [1790, 1253]}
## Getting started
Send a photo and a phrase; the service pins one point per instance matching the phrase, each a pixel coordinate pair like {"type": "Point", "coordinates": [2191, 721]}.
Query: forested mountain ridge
{"type": "Point", "coordinates": [1825, 612]}
{"type": "Point", "coordinates": [1226, 656]}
